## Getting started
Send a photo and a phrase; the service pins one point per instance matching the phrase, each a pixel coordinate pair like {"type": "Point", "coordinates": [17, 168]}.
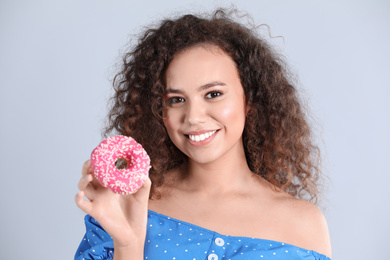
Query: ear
{"type": "Point", "coordinates": [248, 107]}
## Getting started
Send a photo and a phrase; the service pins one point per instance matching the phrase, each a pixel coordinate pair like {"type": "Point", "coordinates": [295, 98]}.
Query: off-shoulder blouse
{"type": "Point", "coordinates": [169, 238]}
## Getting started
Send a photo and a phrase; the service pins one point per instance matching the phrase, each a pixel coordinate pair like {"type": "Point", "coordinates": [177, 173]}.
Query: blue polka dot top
{"type": "Point", "coordinates": [168, 238]}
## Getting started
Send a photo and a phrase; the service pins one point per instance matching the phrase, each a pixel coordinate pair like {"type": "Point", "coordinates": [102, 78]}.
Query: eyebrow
{"type": "Point", "coordinates": [201, 88]}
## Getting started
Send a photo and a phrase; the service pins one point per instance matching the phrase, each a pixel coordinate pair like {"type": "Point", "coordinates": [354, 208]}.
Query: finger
{"type": "Point", "coordinates": [84, 181]}
{"type": "Point", "coordinates": [95, 182]}
{"type": "Point", "coordinates": [86, 185]}
{"type": "Point", "coordinates": [83, 204]}
{"type": "Point", "coordinates": [90, 192]}
{"type": "Point", "coordinates": [86, 168]}
{"type": "Point", "coordinates": [144, 191]}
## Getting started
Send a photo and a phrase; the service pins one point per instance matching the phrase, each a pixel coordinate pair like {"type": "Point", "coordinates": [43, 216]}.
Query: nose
{"type": "Point", "coordinates": [195, 113]}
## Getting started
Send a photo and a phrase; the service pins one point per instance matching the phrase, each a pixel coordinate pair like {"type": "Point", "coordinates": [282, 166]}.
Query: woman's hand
{"type": "Point", "coordinates": [123, 217]}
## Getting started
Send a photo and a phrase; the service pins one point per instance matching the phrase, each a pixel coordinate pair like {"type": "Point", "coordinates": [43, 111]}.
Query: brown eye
{"type": "Point", "coordinates": [213, 94]}
{"type": "Point", "coordinates": [175, 100]}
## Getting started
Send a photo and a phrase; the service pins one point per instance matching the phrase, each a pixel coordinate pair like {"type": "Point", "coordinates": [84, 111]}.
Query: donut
{"type": "Point", "coordinates": [120, 164]}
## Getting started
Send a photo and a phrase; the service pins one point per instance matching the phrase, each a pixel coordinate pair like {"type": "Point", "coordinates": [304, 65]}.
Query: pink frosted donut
{"type": "Point", "coordinates": [126, 179]}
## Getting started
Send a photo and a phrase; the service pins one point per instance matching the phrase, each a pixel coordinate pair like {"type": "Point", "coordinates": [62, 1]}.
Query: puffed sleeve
{"type": "Point", "coordinates": [96, 243]}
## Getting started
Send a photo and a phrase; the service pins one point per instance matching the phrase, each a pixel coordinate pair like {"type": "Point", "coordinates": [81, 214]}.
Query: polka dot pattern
{"type": "Point", "coordinates": [170, 239]}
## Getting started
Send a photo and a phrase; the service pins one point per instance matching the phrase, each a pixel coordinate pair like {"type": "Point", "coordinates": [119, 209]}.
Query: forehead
{"type": "Point", "coordinates": [200, 64]}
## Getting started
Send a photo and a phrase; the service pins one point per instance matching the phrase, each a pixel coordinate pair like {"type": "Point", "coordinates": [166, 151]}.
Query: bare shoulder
{"type": "Point", "coordinates": [294, 221]}
{"type": "Point", "coordinates": [309, 225]}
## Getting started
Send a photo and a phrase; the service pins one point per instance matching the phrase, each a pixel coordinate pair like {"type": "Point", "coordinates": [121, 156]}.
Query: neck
{"type": "Point", "coordinates": [228, 174]}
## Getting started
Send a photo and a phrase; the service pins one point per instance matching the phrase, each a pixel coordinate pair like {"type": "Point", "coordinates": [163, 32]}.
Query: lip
{"type": "Point", "coordinates": [200, 132]}
{"type": "Point", "coordinates": [205, 141]}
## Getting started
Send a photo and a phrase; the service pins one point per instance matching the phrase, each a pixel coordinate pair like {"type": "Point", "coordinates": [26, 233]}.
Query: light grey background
{"type": "Point", "coordinates": [56, 62]}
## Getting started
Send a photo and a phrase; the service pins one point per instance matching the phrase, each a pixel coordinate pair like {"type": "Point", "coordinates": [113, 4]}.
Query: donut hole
{"type": "Point", "coordinates": [121, 163]}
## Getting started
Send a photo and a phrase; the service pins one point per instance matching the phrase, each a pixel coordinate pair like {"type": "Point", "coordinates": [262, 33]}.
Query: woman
{"type": "Point", "coordinates": [231, 152]}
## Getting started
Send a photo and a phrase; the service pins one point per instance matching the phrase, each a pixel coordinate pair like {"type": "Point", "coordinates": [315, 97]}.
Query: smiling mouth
{"type": "Point", "coordinates": [202, 137]}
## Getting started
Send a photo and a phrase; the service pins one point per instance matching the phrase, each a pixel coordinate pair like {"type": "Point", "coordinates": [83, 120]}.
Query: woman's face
{"type": "Point", "coordinates": [204, 104]}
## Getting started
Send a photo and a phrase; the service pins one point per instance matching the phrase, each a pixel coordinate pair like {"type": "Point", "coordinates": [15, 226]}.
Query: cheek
{"type": "Point", "coordinates": [227, 113]}
{"type": "Point", "coordinates": [168, 127]}
{"type": "Point", "coordinates": [170, 121]}
{"type": "Point", "coordinates": [167, 123]}
{"type": "Point", "coordinates": [233, 112]}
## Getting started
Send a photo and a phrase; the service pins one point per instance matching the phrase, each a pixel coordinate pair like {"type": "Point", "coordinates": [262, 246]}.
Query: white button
{"type": "Point", "coordinates": [219, 241]}
{"type": "Point", "coordinates": [212, 257]}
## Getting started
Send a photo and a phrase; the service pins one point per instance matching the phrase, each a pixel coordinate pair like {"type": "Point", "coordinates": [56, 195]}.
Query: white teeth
{"type": "Point", "coordinates": [201, 137]}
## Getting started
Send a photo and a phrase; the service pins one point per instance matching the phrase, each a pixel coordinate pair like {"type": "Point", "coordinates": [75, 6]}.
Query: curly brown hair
{"type": "Point", "coordinates": [277, 138]}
